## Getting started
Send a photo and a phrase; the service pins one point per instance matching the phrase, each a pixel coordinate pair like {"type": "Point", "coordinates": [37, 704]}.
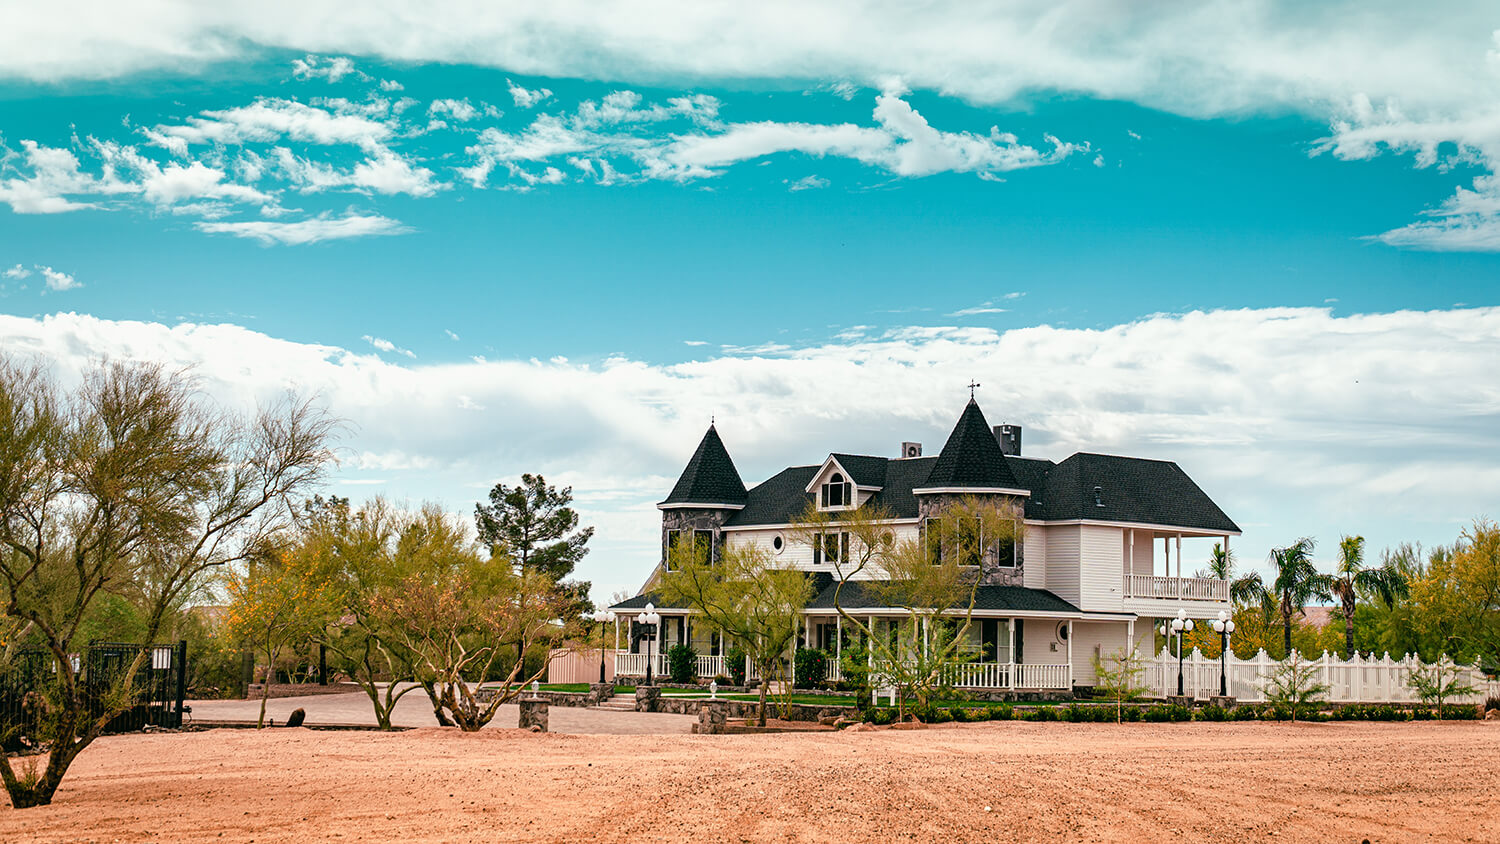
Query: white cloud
{"type": "Point", "coordinates": [391, 85]}
{"type": "Point", "coordinates": [17, 272]}
{"type": "Point", "coordinates": [525, 98]}
{"type": "Point", "coordinates": [385, 345]}
{"type": "Point", "coordinates": [1014, 294]}
{"type": "Point", "coordinates": [54, 178]}
{"type": "Point", "coordinates": [986, 308]}
{"type": "Point", "coordinates": [1324, 401]}
{"type": "Point", "coordinates": [58, 280]}
{"type": "Point", "coordinates": [451, 335]}
{"type": "Point", "coordinates": [310, 230]}
{"type": "Point", "coordinates": [270, 119]}
{"type": "Point", "coordinates": [333, 69]}
{"type": "Point", "coordinates": [460, 110]}
{"type": "Point", "coordinates": [807, 183]}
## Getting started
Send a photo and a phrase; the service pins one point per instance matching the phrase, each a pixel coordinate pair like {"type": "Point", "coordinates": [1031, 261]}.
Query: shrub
{"type": "Point", "coordinates": [1045, 713]}
{"type": "Point", "coordinates": [880, 715]}
{"type": "Point", "coordinates": [1132, 713]}
{"type": "Point", "coordinates": [940, 716]}
{"type": "Point", "coordinates": [1214, 712]}
{"type": "Point", "coordinates": [811, 666]}
{"type": "Point", "coordinates": [999, 712]}
{"type": "Point", "coordinates": [734, 663]}
{"type": "Point", "coordinates": [1245, 713]}
{"type": "Point", "coordinates": [1423, 713]}
{"type": "Point", "coordinates": [682, 663]}
{"type": "Point", "coordinates": [1491, 703]}
{"type": "Point", "coordinates": [1459, 712]}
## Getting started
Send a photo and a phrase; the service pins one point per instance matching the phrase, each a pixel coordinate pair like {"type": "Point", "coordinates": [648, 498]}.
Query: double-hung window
{"type": "Point", "coordinates": [830, 548]}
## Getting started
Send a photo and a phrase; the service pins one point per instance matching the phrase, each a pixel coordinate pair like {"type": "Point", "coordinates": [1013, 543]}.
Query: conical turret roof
{"type": "Point", "coordinates": [710, 477]}
{"type": "Point", "coordinates": [971, 459]}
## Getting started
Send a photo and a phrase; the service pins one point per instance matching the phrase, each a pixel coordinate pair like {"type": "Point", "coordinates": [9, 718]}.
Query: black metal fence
{"type": "Point", "coordinates": [29, 682]}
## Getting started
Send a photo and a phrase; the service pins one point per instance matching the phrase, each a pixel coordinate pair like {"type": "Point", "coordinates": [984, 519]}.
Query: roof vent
{"type": "Point", "coordinates": [909, 450]}
{"type": "Point", "coordinates": [1009, 437]}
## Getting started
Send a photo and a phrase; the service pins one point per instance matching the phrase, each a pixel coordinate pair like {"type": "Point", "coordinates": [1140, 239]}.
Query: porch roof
{"type": "Point", "coordinates": [858, 594]}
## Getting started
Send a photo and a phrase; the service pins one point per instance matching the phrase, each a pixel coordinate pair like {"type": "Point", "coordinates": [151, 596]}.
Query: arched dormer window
{"type": "Point", "coordinates": [837, 493]}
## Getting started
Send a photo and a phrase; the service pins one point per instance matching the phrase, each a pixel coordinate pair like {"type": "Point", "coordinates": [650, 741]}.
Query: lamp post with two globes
{"type": "Point", "coordinates": [649, 619]}
{"type": "Point", "coordinates": [1224, 626]}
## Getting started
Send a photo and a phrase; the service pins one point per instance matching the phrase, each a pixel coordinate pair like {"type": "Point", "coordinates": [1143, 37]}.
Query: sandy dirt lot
{"type": "Point", "coordinates": [981, 782]}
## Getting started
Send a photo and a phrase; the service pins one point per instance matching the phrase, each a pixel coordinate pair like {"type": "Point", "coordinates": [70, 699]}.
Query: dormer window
{"type": "Point", "coordinates": [837, 494]}
{"type": "Point", "coordinates": [1098, 496]}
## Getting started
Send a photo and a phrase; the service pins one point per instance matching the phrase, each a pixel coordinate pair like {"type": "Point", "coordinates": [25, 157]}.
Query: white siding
{"type": "Point", "coordinates": [1040, 636]}
{"type": "Point", "coordinates": [1035, 557]}
{"type": "Point", "coordinates": [797, 554]}
{"type": "Point", "coordinates": [1145, 561]}
{"type": "Point", "coordinates": [1103, 639]}
{"type": "Point", "coordinates": [1100, 569]}
{"type": "Point", "coordinates": [1062, 562]}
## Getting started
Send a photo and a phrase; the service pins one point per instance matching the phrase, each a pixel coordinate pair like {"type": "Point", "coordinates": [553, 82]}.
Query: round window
{"type": "Point", "coordinates": [888, 540]}
{"type": "Point", "coordinates": [777, 543]}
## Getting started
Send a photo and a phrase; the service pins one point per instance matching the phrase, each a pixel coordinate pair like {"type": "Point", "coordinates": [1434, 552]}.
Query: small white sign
{"type": "Point", "coordinates": [161, 658]}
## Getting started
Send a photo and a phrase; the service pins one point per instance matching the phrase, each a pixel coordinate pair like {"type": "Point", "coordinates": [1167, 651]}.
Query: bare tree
{"type": "Point", "coordinates": [131, 483]}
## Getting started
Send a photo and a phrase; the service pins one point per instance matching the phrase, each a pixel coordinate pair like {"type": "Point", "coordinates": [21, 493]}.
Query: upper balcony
{"type": "Point", "coordinates": [1176, 588]}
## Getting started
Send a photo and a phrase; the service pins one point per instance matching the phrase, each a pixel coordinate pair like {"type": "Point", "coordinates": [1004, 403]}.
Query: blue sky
{"type": "Point", "coordinates": [560, 244]}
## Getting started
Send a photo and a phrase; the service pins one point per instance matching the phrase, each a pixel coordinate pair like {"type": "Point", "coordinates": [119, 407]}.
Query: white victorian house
{"type": "Point", "coordinates": [1100, 562]}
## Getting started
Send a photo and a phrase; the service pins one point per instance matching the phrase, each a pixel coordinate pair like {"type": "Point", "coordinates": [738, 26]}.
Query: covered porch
{"type": "Point", "coordinates": [1144, 580]}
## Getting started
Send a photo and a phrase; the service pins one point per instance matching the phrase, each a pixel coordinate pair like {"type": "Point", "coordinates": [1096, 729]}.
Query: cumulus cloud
{"type": "Point", "coordinates": [311, 230]}
{"type": "Point", "coordinates": [527, 98]}
{"type": "Point", "coordinates": [385, 345]}
{"type": "Point", "coordinates": [459, 110]}
{"type": "Point", "coordinates": [17, 272]}
{"type": "Point", "coordinates": [58, 280]}
{"type": "Point", "coordinates": [812, 182]}
{"type": "Point", "coordinates": [1295, 420]}
{"type": "Point", "coordinates": [271, 119]}
{"type": "Point", "coordinates": [333, 69]}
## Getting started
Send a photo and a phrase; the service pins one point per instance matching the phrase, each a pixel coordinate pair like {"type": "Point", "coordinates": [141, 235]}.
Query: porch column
{"type": "Point", "coordinates": [1070, 654]}
{"type": "Point", "coordinates": [617, 631]}
{"type": "Point", "coordinates": [1166, 556]}
{"type": "Point", "coordinates": [926, 631]}
{"type": "Point", "coordinates": [1011, 679]}
{"type": "Point", "coordinates": [1179, 564]}
{"type": "Point", "coordinates": [838, 639]}
{"type": "Point", "coordinates": [1129, 636]}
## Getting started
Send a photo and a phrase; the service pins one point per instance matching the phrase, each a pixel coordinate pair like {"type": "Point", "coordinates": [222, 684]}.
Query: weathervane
{"type": "Point", "coordinates": [972, 385]}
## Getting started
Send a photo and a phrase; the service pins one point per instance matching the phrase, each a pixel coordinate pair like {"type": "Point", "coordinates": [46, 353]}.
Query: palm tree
{"type": "Point", "coordinates": [1297, 582]}
{"type": "Point", "coordinates": [1386, 582]}
{"type": "Point", "coordinates": [1242, 590]}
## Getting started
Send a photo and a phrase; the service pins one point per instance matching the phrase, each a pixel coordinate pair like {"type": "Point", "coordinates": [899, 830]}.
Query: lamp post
{"type": "Point", "coordinates": [1223, 626]}
{"type": "Point", "coordinates": [603, 617]}
{"type": "Point", "coordinates": [649, 619]}
{"type": "Point", "coordinates": [1181, 624]}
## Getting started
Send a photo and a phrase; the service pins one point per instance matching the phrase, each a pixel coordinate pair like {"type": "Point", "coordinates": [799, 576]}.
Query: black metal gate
{"type": "Point", "coordinates": [156, 696]}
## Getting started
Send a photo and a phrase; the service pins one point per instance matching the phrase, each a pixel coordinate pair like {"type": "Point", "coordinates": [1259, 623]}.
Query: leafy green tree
{"type": "Point", "coordinates": [452, 611]}
{"type": "Point", "coordinates": [277, 598]}
{"type": "Point", "coordinates": [130, 484]}
{"type": "Point", "coordinates": [1221, 565]}
{"type": "Point", "coordinates": [1456, 602]}
{"type": "Point", "coordinates": [1119, 678]}
{"type": "Point", "coordinates": [1440, 682]}
{"type": "Point", "coordinates": [1293, 685]}
{"type": "Point", "coordinates": [1352, 578]}
{"type": "Point", "coordinates": [754, 603]}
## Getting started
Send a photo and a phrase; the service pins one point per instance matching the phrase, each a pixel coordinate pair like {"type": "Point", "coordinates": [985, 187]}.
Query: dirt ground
{"type": "Point", "coordinates": [975, 782]}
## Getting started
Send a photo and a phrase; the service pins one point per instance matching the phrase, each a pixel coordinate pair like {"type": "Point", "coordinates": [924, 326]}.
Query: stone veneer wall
{"type": "Point", "coordinates": [690, 518]}
{"type": "Point", "coordinates": [928, 505]}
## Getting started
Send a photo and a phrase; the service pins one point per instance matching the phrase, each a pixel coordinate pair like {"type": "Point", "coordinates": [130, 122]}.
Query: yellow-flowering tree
{"type": "Point", "coordinates": [281, 596]}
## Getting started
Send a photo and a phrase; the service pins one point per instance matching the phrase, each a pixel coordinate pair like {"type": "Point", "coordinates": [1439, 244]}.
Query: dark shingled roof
{"type": "Point", "coordinates": [863, 469]}
{"type": "Point", "coordinates": [1154, 492]}
{"type": "Point", "coordinates": [858, 594]}
{"type": "Point", "coordinates": [1132, 490]}
{"type": "Point", "coordinates": [972, 456]}
{"type": "Point", "coordinates": [710, 476]}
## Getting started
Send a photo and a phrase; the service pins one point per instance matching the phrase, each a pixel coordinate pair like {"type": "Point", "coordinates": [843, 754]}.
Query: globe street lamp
{"type": "Point", "coordinates": [1181, 624]}
{"type": "Point", "coordinates": [603, 617]}
{"type": "Point", "coordinates": [649, 619]}
{"type": "Point", "coordinates": [1223, 626]}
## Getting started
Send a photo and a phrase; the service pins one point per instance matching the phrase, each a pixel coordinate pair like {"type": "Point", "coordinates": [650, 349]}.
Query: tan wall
{"type": "Point", "coordinates": [580, 666]}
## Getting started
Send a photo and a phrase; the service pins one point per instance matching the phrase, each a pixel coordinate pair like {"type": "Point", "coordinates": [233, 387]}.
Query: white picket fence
{"type": "Point", "coordinates": [1356, 680]}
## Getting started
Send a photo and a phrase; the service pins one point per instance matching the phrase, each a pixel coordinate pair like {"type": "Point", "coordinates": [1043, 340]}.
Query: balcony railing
{"type": "Point", "coordinates": [1176, 588]}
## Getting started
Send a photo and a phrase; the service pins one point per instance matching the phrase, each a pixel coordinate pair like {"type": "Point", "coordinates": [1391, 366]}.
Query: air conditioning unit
{"type": "Point", "coordinates": [909, 450]}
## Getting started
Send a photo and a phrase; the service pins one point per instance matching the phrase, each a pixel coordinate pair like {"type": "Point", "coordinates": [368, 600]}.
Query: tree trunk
{"type": "Point", "coordinates": [765, 684]}
{"type": "Point", "coordinates": [265, 691]}
{"type": "Point", "coordinates": [1349, 628]}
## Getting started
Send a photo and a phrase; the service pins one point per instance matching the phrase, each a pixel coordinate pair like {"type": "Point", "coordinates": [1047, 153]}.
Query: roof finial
{"type": "Point", "coordinates": [710, 420]}
{"type": "Point", "coordinates": [972, 385]}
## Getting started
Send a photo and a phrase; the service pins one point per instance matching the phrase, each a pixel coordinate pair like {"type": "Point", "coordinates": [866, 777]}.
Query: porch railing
{"type": "Point", "coordinates": [1181, 588]}
{"type": "Point", "coordinates": [634, 665]}
{"type": "Point", "coordinates": [1006, 675]}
